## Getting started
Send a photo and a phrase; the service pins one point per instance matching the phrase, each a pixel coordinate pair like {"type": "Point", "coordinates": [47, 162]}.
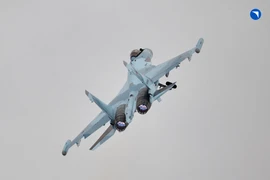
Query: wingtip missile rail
{"type": "Point", "coordinates": [199, 45]}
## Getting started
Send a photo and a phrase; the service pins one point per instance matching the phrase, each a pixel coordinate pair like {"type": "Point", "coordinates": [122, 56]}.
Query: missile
{"type": "Point", "coordinates": [199, 45]}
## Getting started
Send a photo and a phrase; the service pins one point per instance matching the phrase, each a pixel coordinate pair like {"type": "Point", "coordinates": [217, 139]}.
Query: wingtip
{"type": "Point", "coordinates": [125, 63]}
{"type": "Point", "coordinates": [66, 147]}
{"type": "Point", "coordinates": [64, 153]}
{"type": "Point", "coordinates": [86, 92]}
{"type": "Point", "coordinates": [199, 45]}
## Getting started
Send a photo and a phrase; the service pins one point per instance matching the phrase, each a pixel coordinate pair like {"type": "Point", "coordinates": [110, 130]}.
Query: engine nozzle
{"type": "Point", "coordinates": [142, 109]}
{"type": "Point", "coordinates": [121, 126]}
{"type": "Point", "coordinates": [143, 104]}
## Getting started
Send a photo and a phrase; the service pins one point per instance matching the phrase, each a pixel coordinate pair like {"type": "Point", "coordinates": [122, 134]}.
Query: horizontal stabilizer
{"type": "Point", "coordinates": [104, 137]}
{"type": "Point", "coordinates": [106, 108]}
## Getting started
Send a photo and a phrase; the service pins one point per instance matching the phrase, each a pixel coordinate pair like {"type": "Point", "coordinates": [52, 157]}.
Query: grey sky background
{"type": "Point", "coordinates": [215, 126]}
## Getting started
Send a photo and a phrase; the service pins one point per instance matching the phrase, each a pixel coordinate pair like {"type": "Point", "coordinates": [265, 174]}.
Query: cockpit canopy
{"type": "Point", "coordinates": [135, 53]}
{"type": "Point", "coordinates": [145, 53]}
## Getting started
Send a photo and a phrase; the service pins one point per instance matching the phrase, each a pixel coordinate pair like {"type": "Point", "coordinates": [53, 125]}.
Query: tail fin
{"type": "Point", "coordinates": [107, 109]}
{"type": "Point", "coordinates": [104, 137]}
{"type": "Point", "coordinates": [144, 79]}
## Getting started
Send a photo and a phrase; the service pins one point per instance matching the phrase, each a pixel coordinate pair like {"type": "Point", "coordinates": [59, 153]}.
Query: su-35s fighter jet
{"type": "Point", "coordinates": [141, 89]}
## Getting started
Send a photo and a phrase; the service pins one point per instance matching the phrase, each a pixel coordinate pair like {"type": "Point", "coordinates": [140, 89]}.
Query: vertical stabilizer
{"type": "Point", "coordinates": [106, 108]}
{"type": "Point", "coordinates": [144, 79]}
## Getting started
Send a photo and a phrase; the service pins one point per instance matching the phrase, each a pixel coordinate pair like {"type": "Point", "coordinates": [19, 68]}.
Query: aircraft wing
{"type": "Point", "coordinates": [163, 69]}
{"type": "Point", "coordinates": [94, 125]}
{"type": "Point", "coordinates": [103, 117]}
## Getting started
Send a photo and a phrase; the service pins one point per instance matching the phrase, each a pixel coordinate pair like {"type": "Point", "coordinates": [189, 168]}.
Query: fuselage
{"type": "Point", "coordinates": [134, 95]}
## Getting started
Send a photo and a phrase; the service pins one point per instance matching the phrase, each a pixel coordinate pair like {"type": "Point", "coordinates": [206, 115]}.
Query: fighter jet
{"type": "Point", "coordinates": [140, 91]}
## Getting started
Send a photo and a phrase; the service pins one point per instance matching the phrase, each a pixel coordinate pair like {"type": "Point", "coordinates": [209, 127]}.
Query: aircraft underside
{"type": "Point", "coordinates": [140, 92]}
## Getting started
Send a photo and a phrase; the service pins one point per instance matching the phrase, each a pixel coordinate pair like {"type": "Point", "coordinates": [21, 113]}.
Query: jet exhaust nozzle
{"type": "Point", "coordinates": [120, 118]}
{"type": "Point", "coordinates": [143, 102]}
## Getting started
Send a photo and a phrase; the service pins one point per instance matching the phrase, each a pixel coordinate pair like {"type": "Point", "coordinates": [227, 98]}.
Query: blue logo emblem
{"type": "Point", "coordinates": [255, 14]}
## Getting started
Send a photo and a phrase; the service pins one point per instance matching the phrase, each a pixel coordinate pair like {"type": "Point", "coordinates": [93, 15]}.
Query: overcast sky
{"type": "Point", "coordinates": [214, 126]}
